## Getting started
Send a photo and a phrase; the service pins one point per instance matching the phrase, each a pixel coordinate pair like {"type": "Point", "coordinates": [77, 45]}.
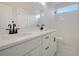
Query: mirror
{"type": "Point", "coordinates": [24, 14]}
{"type": "Point", "coordinates": [24, 19]}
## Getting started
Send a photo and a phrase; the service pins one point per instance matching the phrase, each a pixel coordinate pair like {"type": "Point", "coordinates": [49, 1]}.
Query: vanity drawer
{"type": "Point", "coordinates": [21, 49]}
{"type": "Point", "coordinates": [46, 50]}
{"type": "Point", "coordinates": [46, 39]}
{"type": "Point", "coordinates": [46, 45]}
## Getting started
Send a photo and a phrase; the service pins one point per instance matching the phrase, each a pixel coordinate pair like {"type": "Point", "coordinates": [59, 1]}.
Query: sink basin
{"type": "Point", "coordinates": [37, 31]}
{"type": "Point", "coordinates": [20, 34]}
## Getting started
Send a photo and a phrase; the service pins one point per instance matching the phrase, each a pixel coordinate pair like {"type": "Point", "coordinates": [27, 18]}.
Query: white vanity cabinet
{"type": "Point", "coordinates": [22, 48]}
{"type": "Point", "coordinates": [42, 45]}
{"type": "Point", "coordinates": [53, 43]}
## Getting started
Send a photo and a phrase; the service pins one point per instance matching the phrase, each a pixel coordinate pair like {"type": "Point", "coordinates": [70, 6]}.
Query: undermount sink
{"type": "Point", "coordinates": [20, 34]}
{"type": "Point", "coordinates": [37, 31]}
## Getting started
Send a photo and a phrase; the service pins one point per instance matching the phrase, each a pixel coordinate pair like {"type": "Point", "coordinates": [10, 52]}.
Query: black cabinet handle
{"type": "Point", "coordinates": [46, 47]}
{"type": "Point", "coordinates": [54, 39]}
{"type": "Point", "coordinates": [47, 37]}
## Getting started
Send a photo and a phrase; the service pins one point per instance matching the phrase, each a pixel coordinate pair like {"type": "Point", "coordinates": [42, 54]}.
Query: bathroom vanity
{"type": "Point", "coordinates": [29, 43]}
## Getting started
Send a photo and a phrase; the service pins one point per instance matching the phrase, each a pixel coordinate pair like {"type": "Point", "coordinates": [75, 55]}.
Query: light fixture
{"type": "Point", "coordinates": [38, 16]}
{"type": "Point", "coordinates": [43, 3]}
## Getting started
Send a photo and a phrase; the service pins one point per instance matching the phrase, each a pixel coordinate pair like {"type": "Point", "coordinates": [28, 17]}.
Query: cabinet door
{"type": "Point", "coordinates": [35, 52]}
{"type": "Point", "coordinates": [22, 48]}
{"type": "Point", "coordinates": [53, 43]}
{"type": "Point", "coordinates": [46, 51]}
{"type": "Point", "coordinates": [46, 45]}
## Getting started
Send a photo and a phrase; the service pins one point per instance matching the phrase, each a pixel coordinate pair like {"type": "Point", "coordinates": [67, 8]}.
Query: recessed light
{"type": "Point", "coordinates": [43, 3]}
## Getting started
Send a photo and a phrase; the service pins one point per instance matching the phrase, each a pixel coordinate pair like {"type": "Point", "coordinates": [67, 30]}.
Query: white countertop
{"type": "Point", "coordinates": [14, 39]}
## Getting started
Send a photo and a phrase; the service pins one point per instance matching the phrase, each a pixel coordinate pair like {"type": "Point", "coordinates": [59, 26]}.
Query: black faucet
{"type": "Point", "coordinates": [10, 30]}
{"type": "Point", "coordinates": [13, 29]}
{"type": "Point", "coordinates": [41, 28]}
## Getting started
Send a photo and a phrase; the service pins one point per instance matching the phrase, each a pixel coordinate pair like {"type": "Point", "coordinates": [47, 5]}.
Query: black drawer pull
{"type": "Point", "coordinates": [46, 47]}
{"type": "Point", "coordinates": [47, 37]}
{"type": "Point", "coordinates": [54, 39]}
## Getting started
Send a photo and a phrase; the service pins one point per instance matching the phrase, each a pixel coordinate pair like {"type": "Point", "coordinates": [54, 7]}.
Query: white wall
{"type": "Point", "coordinates": [67, 26]}
{"type": "Point", "coordinates": [5, 15]}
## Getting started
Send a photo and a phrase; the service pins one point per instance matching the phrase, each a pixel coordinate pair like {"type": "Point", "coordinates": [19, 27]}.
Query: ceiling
{"type": "Point", "coordinates": [31, 7]}
{"type": "Point", "coordinates": [35, 7]}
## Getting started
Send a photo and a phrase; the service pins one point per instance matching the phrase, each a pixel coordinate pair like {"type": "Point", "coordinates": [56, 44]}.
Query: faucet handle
{"type": "Point", "coordinates": [38, 25]}
{"type": "Point", "coordinates": [7, 29]}
{"type": "Point", "coordinates": [42, 25]}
